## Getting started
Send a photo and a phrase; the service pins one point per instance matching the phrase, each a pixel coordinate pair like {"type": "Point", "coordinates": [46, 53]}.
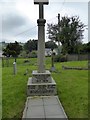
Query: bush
{"type": "Point", "coordinates": [26, 61]}
{"type": "Point", "coordinates": [33, 54]}
{"type": "Point", "coordinates": [60, 58]}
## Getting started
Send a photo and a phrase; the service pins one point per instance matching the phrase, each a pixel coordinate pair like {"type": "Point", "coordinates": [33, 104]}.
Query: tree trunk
{"type": "Point", "coordinates": [52, 60]}
{"type": "Point", "coordinates": [15, 59]}
{"type": "Point", "coordinates": [58, 48]}
{"type": "Point", "coordinates": [7, 61]}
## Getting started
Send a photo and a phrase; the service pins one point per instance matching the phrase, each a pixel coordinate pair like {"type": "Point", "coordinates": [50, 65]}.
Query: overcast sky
{"type": "Point", "coordinates": [18, 19]}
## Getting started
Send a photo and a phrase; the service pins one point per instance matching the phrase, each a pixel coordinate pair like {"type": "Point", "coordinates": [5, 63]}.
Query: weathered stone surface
{"type": "Point", "coordinates": [43, 107]}
{"type": "Point", "coordinates": [74, 68]}
{"type": "Point", "coordinates": [34, 89]}
{"type": "Point", "coordinates": [41, 77]}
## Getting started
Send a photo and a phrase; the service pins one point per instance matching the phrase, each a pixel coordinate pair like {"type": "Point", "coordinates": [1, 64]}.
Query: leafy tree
{"type": "Point", "coordinates": [85, 48]}
{"type": "Point", "coordinates": [50, 44]}
{"type": "Point", "coordinates": [12, 49]}
{"type": "Point", "coordinates": [30, 45]}
{"type": "Point", "coordinates": [70, 35]}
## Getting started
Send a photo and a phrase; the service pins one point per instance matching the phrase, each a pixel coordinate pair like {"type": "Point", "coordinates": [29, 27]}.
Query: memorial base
{"type": "Point", "coordinates": [41, 84]}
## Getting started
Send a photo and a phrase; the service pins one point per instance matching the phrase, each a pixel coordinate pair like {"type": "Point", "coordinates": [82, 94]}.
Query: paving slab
{"type": "Point", "coordinates": [43, 107]}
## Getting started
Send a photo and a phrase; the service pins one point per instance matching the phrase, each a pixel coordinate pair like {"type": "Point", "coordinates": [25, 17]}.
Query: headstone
{"type": "Point", "coordinates": [14, 68]}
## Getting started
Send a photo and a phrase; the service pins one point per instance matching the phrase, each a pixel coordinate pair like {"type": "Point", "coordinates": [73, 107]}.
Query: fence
{"type": "Point", "coordinates": [76, 57]}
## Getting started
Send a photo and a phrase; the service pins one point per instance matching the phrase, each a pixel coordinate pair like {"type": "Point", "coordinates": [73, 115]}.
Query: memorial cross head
{"type": "Point", "coordinates": [41, 1]}
{"type": "Point", "coordinates": [41, 10]}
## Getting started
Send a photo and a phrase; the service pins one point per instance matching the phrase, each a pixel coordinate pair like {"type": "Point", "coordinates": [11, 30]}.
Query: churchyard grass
{"type": "Point", "coordinates": [0, 88]}
{"type": "Point", "coordinates": [72, 87]}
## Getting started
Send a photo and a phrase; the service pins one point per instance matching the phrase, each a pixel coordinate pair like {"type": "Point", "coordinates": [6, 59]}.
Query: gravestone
{"type": "Point", "coordinates": [41, 82]}
{"type": "Point", "coordinates": [14, 68]}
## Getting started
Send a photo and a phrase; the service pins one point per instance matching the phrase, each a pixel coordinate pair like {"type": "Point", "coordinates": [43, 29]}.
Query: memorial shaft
{"type": "Point", "coordinates": [41, 40]}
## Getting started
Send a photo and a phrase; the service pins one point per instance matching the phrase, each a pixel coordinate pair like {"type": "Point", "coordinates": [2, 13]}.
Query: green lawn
{"type": "Point", "coordinates": [0, 89]}
{"type": "Point", "coordinates": [72, 87]}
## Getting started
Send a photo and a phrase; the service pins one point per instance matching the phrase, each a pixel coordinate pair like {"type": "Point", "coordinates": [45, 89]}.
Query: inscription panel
{"type": "Point", "coordinates": [41, 78]}
{"type": "Point", "coordinates": [41, 90]}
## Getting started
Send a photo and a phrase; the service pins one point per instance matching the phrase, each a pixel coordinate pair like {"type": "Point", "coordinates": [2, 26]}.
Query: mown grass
{"type": "Point", "coordinates": [0, 89]}
{"type": "Point", "coordinates": [72, 87]}
{"type": "Point", "coordinates": [73, 92]}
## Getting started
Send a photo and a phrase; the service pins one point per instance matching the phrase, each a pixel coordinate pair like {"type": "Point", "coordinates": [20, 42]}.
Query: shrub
{"type": "Point", "coordinates": [26, 61]}
{"type": "Point", "coordinates": [33, 54]}
{"type": "Point", "coordinates": [60, 58]}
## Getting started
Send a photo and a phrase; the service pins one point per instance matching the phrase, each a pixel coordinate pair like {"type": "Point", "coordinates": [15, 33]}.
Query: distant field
{"type": "Point", "coordinates": [72, 87]}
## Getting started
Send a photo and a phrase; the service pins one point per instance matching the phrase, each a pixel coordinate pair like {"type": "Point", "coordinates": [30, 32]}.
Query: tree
{"type": "Point", "coordinates": [30, 45]}
{"type": "Point", "coordinates": [85, 48]}
{"type": "Point", "coordinates": [50, 44]}
{"type": "Point", "coordinates": [71, 33]}
{"type": "Point", "coordinates": [12, 49]}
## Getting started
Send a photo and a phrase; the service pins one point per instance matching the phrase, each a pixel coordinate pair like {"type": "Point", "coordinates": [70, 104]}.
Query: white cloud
{"type": "Point", "coordinates": [28, 9]}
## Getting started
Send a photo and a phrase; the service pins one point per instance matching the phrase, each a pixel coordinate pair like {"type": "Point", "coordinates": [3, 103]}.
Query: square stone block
{"type": "Point", "coordinates": [34, 89]}
{"type": "Point", "coordinates": [41, 77]}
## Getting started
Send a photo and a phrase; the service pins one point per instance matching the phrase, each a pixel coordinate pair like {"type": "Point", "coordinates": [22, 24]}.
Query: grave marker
{"type": "Point", "coordinates": [14, 68]}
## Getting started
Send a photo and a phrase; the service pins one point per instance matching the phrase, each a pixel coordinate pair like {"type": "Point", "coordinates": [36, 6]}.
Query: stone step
{"type": "Point", "coordinates": [34, 89]}
{"type": "Point", "coordinates": [41, 77]}
{"type": "Point", "coordinates": [43, 107]}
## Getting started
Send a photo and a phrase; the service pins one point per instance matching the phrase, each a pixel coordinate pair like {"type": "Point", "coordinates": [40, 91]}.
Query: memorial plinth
{"type": "Point", "coordinates": [41, 84]}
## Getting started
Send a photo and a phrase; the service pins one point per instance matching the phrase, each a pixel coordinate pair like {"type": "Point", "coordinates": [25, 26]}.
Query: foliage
{"type": "Point", "coordinates": [12, 49]}
{"type": "Point", "coordinates": [50, 44]}
{"type": "Point", "coordinates": [70, 35]}
{"type": "Point", "coordinates": [30, 45]}
{"type": "Point", "coordinates": [85, 48]}
{"type": "Point", "coordinates": [33, 54]}
{"type": "Point", "coordinates": [60, 58]}
{"type": "Point", "coordinates": [23, 54]}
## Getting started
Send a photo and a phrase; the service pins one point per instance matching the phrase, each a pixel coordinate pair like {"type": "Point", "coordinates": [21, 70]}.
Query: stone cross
{"type": "Point", "coordinates": [41, 35]}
